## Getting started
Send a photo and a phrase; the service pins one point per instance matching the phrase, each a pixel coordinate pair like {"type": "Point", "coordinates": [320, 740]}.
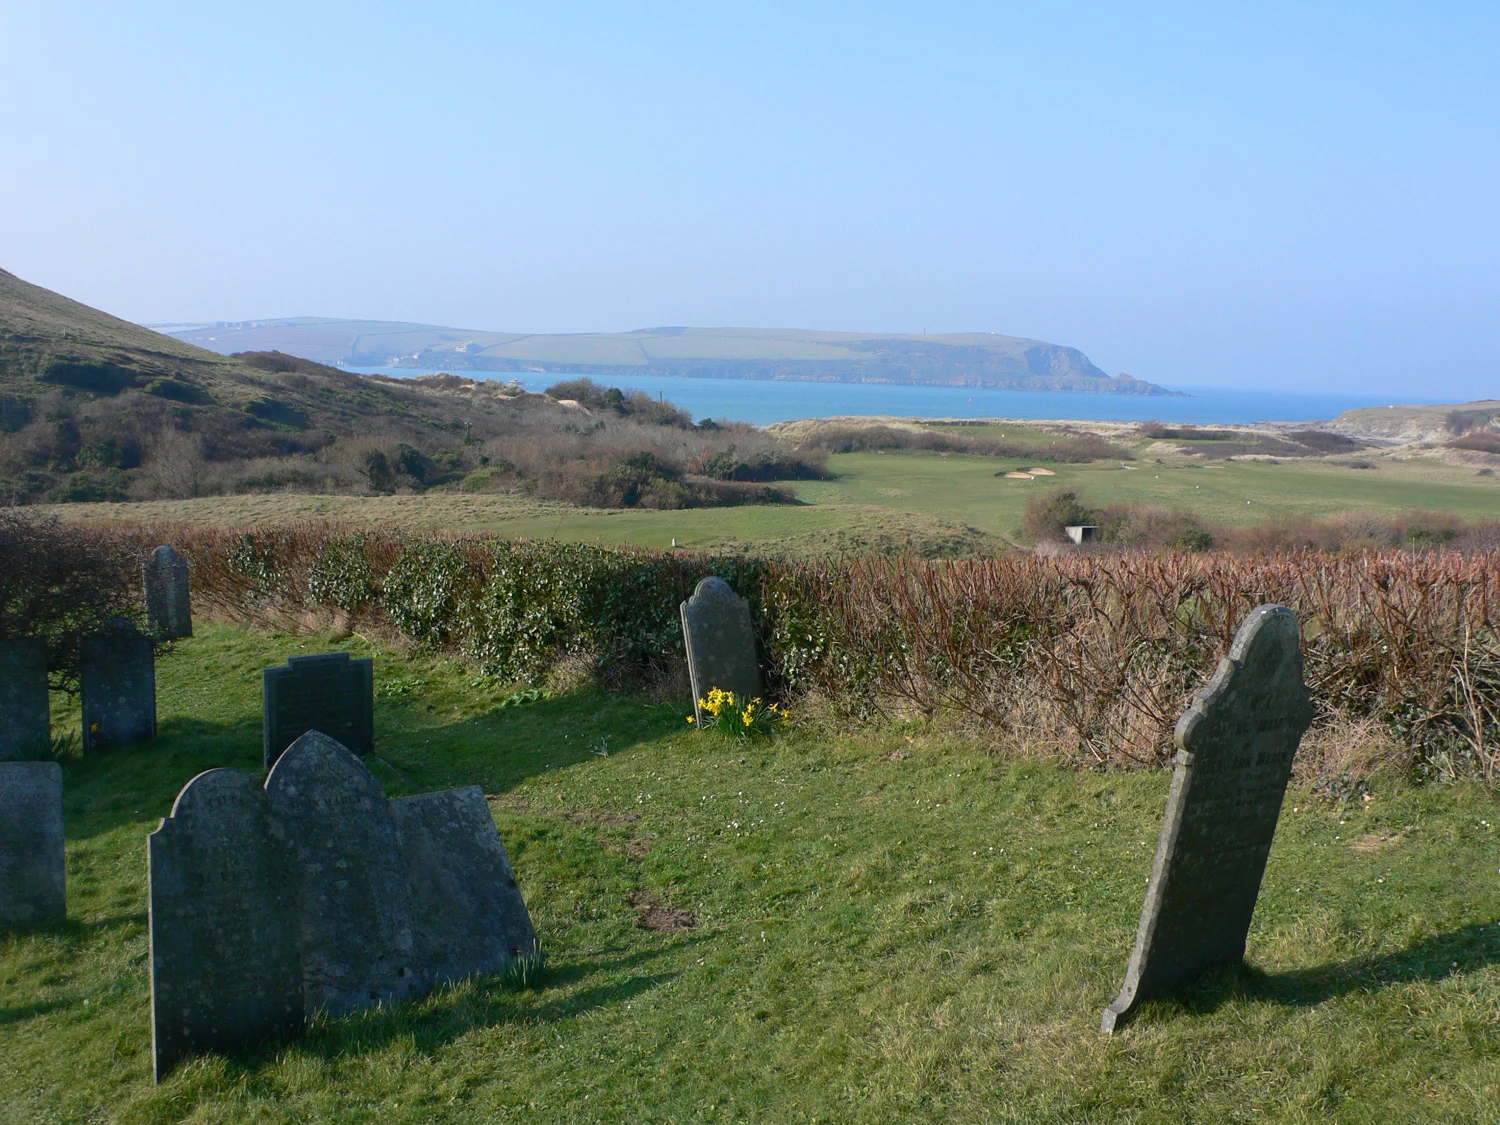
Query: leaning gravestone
{"type": "Point", "coordinates": [32, 884]}
{"type": "Point", "coordinates": [720, 643]}
{"type": "Point", "coordinates": [469, 914]}
{"type": "Point", "coordinates": [25, 713]}
{"type": "Point", "coordinates": [357, 942]}
{"type": "Point", "coordinates": [329, 692]}
{"type": "Point", "coordinates": [226, 969]}
{"type": "Point", "coordinates": [169, 610]}
{"type": "Point", "coordinates": [1235, 747]}
{"type": "Point", "coordinates": [118, 677]}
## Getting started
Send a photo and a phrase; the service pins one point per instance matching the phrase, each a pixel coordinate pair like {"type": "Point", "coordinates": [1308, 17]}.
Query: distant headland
{"type": "Point", "coordinates": [970, 359]}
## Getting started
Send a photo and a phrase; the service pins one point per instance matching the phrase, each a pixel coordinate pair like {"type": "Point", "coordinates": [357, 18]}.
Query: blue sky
{"type": "Point", "coordinates": [1279, 196]}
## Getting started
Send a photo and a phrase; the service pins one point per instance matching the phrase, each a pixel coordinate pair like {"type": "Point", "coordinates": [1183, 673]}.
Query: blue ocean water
{"type": "Point", "coordinates": [763, 401]}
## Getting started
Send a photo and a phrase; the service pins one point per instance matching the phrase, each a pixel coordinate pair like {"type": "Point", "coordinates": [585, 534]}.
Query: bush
{"type": "Point", "coordinates": [61, 582]}
{"type": "Point", "coordinates": [531, 610]}
{"type": "Point", "coordinates": [425, 590]}
{"type": "Point", "coordinates": [341, 576]}
{"type": "Point", "coordinates": [90, 487]}
{"type": "Point", "coordinates": [1046, 516]}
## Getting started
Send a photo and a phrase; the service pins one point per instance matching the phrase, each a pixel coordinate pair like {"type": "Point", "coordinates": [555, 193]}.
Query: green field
{"type": "Point", "coordinates": [897, 926]}
{"type": "Point", "coordinates": [926, 501]}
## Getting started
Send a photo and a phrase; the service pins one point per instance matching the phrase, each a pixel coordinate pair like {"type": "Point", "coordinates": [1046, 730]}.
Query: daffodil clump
{"type": "Point", "coordinates": [724, 713]}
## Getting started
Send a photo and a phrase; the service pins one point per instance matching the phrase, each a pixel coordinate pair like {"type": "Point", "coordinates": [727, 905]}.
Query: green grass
{"type": "Point", "coordinates": [929, 502]}
{"type": "Point", "coordinates": [893, 926]}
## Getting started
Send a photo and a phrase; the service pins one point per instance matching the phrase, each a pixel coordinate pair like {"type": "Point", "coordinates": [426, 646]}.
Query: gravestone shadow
{"type": "Point", "coordinates": [441, 1018]}
{"type": "Point", "coordinates": [502, 747]}
{"type": "Point", "coordinates": [1434, 959]}
{"type": "Point", "coordinates": [23, 1012]}
{"type": "Point", "coordinates": [497, 749]}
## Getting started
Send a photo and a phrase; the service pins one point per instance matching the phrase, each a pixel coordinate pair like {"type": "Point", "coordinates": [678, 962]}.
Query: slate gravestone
{"type": "Point", "coordinates": [1235, 747]}
{"type": "Point", "coordinates": [118, 676]}
{"type": "Point", "coordinates": [32, 886]}
{"type": "Point", "coordinates": [329, 692]}
{"type": "Point", "coordinates": [25, 713]}
{"type": "Point", "coordinates": [720, 643]}
{"type": "Point", "coordinates": [469, 914]}
{"type": "Point", "coordinates": [226, 969]}
{"type": "Point", "coordinates": [357, 945]}
{"type": "Point", "coordinates": [169, 610]}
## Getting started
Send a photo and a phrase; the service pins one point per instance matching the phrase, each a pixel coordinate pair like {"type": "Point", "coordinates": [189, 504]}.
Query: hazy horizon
{"type": "Point", "coordinates": [1279, 199]}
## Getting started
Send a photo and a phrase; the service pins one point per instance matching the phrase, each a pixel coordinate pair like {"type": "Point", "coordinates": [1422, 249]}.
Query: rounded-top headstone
{"type": "Point", "coordinates": [224, 922]}
{"type": "Point", "coordinates": [720, 642]}
{"type": "Point", "coordinates": [357, 941]}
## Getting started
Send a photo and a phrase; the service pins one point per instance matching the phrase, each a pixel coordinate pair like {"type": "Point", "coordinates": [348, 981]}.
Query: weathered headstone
{"type": "Point", "coordinates": [169, 609]}
{"type": "Point", "coordinates": [118, 677]}
{"type": "Point", "coordinates": [1235, 747]}
{"type": "Point", "coordinates": [226, 969]}
{"type": "Point", "coordinates": [357, 945]}
{"type": "Point", "coordinates": [329, 692]}
{"type": "Point", "coordinates": [469, 914]}
{"type": "Point", "coordinates": [720, 643]}
{"type": "Point", "coordinates": [25, 713]}
{"type": "Point", "coordinates": [32, 884]}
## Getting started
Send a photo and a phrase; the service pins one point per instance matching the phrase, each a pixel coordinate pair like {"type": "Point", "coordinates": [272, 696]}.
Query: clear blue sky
{"type": "Point", "coordinates": [1263, 195]}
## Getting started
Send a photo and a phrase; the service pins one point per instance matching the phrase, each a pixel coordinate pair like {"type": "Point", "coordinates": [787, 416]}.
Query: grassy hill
{"type": "Point", "coordinates": [93, 407]}
{"type": "Point", "coordinates": [973, 359]}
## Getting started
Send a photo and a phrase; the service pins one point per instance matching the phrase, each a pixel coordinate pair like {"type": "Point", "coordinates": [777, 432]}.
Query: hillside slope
{"type": "Point", "coordinates": [975, 359]}
{"type": "Point", "coordinates": [93, 407]}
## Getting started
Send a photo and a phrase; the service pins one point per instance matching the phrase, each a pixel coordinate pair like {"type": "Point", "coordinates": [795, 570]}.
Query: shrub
{"type": "Point", "coordinates": [1046, 515]}
{"type": "Point", "coordinates": [531, 610]}
{"type": "Point", "coordinates": [60, 582]}
{"type": "Point", "coordinates": [426, 589]}
{"type": "Point", "coordinates": [1481, 441]}
{"type": "Point", "coordinates": [341, 576]}
{"type": "Point", "coordinates": [89, 486]}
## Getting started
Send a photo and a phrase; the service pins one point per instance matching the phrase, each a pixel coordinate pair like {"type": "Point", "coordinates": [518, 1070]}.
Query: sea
{"type": "Point", "coordinates": [763, 401]}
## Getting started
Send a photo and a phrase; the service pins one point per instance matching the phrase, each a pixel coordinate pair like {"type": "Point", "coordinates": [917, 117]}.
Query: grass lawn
{"type": "Point", "coordinates": [929, 502]}
{"type": "Point", "coordinates": [889, 927]}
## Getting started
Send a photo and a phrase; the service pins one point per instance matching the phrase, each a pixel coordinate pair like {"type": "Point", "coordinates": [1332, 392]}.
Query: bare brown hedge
{"type": "Point", "coordinates": [59, 582]}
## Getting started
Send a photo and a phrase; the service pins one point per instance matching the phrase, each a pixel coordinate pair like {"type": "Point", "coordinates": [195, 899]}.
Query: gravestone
{"type": "Point", "coordinates": [118, 677]}
{"type": "Point", "coordinates": [469, 914]}
{"type": "Point", "coordinates": [169, 610]}
{"type": "Point", "coordinates": [32, 884]}
{"type": "Point", "coordinates": [720, 643]}
{"type": "Point", "coordinates": [1235, 747]}
{"type": "Point", "coordinates": [226, 969]}
{"type": "Point", "coordinates": [357, 945]}
{"type": "Point", "coordinates": [329, 692]}
{"type": "Point", "coordinates": [25, 712]}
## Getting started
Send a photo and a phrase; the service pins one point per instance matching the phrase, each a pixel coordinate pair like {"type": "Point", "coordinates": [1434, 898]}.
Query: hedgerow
{"type": "Point", "coordinates": [1093, 656]}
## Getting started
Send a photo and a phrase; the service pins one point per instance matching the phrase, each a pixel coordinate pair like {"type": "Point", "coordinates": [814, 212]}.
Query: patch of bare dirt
{"type": "Point", "coordinates": [1375, 841]}
{"type": "Point", "coordinates": [660, 917]}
